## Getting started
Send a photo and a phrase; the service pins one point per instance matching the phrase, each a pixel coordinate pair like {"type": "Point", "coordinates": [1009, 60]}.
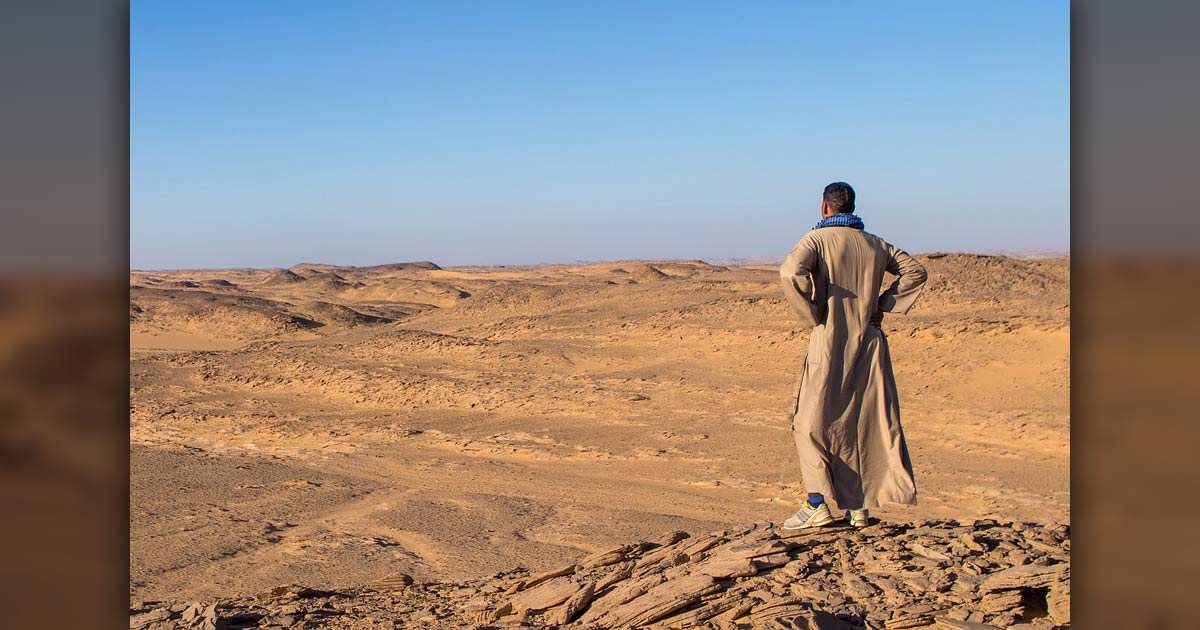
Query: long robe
{"type": "Point", "coordinates": [846, 421]}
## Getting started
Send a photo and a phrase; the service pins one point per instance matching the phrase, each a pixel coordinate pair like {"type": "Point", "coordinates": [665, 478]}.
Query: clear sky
{"type": "Point", "coordinates": [271, 133]}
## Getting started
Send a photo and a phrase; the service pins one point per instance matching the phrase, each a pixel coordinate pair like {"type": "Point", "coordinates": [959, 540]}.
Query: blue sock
{"type": "Point", "coordinates": [815, 499]}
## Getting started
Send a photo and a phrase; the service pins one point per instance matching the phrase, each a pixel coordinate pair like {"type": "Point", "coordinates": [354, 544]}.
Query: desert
{"type": "Point", "coordinates": [602, 444]}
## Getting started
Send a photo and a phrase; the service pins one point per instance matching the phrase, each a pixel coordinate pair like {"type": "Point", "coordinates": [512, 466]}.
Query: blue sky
{"type": "Point", "coordinates": [270, 133]}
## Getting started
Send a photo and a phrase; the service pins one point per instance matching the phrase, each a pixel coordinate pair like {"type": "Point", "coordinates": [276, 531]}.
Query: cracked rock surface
{"type": "Point", "coordinates": [937, 574]}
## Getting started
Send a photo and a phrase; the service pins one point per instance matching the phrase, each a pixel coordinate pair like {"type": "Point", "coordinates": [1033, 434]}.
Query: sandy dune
{"type": "Point", "coordinates": [332, 425]}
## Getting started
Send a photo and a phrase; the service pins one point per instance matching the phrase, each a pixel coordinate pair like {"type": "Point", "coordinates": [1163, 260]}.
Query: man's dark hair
{"type": "Point", "coordinates": [840, 197]}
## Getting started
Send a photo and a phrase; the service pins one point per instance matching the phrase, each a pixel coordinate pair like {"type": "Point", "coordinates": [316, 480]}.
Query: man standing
{"type": "Point", "coordinates": [846, 421]}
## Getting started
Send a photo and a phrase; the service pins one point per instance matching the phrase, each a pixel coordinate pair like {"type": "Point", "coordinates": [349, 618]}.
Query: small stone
{"type": "Point", "coordinates": [858, 588]}
{"type": "Point", "coordinates": [926, 552]}
{"type": "Point", "coordinates": [549, 575]}
{"type": "Point", "coordinates": [192, 613]}
{"type": "Point", "coordinates": [972, 542]}
{"type": "Point", "coordinates": [575, 604]}
{"type": "Point", "coordinates": [1027, 576]}
{"type": "Point", "coordinates": [908, 621]}
{"type": "Point", "coordinates": [392, 582]}
{"type": "Point", "coordinates": [546, 595]}
{"type": "Point", "coordinates": [1002, 601]}
{"type": "Point", "coordinates": [607, 557]}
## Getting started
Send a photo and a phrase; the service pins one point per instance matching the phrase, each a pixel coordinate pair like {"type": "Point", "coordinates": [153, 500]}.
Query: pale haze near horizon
{"type": "Point", "coordinates": [368, 133]}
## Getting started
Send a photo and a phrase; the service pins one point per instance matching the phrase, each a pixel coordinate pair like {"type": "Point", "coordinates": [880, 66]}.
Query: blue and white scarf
{"type": "Point", "coordinates": [841, 219]}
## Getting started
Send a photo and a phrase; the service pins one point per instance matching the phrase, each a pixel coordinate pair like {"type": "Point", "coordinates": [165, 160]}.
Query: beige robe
{"type": "Point", "coordinates": [846, 421]}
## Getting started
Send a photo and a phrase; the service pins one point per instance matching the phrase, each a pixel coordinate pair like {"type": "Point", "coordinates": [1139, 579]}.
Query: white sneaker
{"type": "Point", "coordinates": [857, 518]}
{"type": "Point", "coordinates": [810, 516]}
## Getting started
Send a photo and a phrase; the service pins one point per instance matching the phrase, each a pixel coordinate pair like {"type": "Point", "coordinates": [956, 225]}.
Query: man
{"type": "Point", "coordinates": [846, 421]}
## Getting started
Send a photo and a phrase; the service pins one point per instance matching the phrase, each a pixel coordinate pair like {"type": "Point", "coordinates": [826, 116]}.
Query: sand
{"type": "Point", "coordinates": [345, 424]}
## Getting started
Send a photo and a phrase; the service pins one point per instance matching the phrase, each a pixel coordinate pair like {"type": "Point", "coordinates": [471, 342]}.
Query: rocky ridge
{"type": "Point", "coordinates": [936, 574]}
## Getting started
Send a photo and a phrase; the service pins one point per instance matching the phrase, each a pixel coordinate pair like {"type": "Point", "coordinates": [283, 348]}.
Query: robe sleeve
{"type": "Point", "coordinates": [904, 291]}
{"type": "Point", "coordinates": [796, 276]}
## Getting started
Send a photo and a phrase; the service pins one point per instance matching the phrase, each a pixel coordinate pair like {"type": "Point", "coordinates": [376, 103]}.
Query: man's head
{"type": "Point", "coordinates": [839, 197]}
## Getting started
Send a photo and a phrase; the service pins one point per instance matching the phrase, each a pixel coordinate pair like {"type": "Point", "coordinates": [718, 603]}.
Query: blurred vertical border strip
{"type": "Point", "coordinates": [63, 339]}
{"type": "Point", "coordinates": [1135, 221]}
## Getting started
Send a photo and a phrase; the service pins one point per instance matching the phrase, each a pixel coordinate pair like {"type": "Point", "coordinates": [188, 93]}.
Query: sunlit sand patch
{"type": "Point", "coordinates": [173, 340]}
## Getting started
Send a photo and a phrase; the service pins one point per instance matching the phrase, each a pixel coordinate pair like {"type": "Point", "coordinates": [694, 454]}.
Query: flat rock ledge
{"type": "Point", "coordinates": [935, 574]}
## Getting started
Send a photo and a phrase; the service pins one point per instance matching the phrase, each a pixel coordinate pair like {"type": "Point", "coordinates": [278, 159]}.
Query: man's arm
{"type": "Point", "coordinates": [796, 276]}
{"type": "Point", "coordinates": [904, 291]}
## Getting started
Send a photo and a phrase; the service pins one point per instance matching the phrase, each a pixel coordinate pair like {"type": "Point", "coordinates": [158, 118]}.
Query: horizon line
{"type": "Point", "coordinates": [1033, 253]}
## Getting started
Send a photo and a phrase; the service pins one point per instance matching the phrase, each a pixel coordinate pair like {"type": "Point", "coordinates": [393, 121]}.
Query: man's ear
{"type": "Point", "coordinates": [824, 209]}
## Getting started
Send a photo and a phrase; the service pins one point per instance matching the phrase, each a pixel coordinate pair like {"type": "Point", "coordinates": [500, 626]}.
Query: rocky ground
{"type": "Point", "coordinates": [942, 574]}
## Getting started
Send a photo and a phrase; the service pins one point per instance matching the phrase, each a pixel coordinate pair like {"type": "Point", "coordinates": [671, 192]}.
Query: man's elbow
{"type": "Point", "coordinates": [919, 275]}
